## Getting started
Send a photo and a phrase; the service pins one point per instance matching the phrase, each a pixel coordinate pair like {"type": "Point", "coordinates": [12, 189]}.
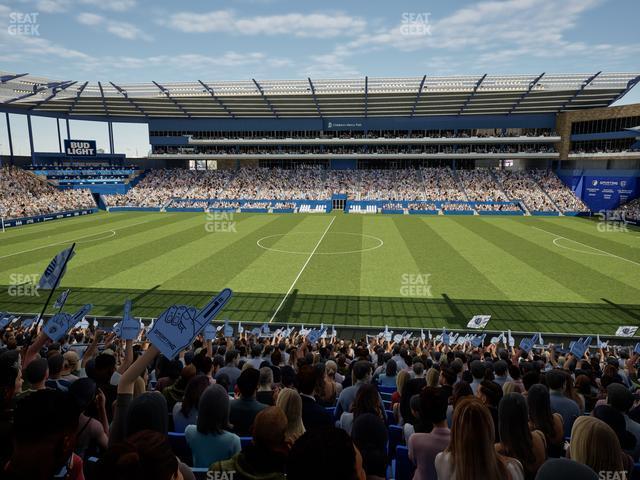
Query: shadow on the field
{"type": "Point", "coordinates": [397, 312]}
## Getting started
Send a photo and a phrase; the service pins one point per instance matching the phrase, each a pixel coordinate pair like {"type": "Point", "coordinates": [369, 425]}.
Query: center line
{"type": "Point", "coordinates": [302, 270]}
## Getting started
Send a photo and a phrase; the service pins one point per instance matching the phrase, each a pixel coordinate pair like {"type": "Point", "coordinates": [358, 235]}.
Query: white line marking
{"type": "Point", "coordinates": [302, 270]}
{"type": "Point", "coordinates": [71, 241]}
{"type": "Point", "coordinates": [379, 240]}
{"type": "Point", "coordinates": [588, 246]}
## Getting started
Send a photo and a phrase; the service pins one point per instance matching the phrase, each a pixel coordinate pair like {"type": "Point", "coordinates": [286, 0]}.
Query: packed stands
{"type": "Point", "coordinates": [519, 185]}
{"type": "Point", "coordinates": [560, 194]}
{"type": "Point", "coordinates": [22, 194]}
{"type": "Point", "coordinates": [262, 406]}
{"type": "Point", "coordinates": [631, 210]}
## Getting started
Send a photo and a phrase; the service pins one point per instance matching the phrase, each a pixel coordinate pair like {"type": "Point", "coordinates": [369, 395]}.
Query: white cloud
{"type": "Point", "coordinates": [122, 30]}
{"type": "Point", "coordinates": [112, 5]}
{"type": "Point", "coordinates": [316, 25]}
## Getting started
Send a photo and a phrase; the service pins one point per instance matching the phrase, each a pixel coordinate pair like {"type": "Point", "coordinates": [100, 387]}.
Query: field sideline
{"type": "Point", "coordinates": [545, 274]}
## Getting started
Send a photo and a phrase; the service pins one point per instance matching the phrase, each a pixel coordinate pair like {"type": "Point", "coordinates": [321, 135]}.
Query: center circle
{"type": "Point", "coordinates": [374, 243]}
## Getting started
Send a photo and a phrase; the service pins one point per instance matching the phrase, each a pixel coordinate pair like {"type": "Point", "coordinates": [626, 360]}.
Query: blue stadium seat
{"type": "Point", "coordinates": [90, 466]}
{"type": "Point", "coordinates": [386, 404]}
{"type": "Point", "coordinates": [635, 473]}
{"type": "Point", "coordinates": [200, 473]}
{"type": "Point", "coordinates": [180, 447]}
{"type": "Point", "coordinates": [391, 420]}
{"type": "Point", "coordinates": [404, 468]}
{"type": "Point", "coordinates": [396, 437]}
{"type": "Point", "coordinates": [244, 441]}
{"type": "Point", "coordinates": [385, 389]}
{"type": "Point", "coordinates": [331, 411]}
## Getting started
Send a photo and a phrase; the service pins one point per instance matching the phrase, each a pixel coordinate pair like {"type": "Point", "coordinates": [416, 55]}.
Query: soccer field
{"type": "Point", "coordinates": [543, 274]}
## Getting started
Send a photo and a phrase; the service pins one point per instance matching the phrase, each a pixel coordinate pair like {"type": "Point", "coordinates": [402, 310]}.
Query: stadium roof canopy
{"type": "Point", "coordinates": [310, 98]}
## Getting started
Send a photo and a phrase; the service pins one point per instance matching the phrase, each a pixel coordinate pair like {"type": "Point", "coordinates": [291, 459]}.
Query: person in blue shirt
{"type": "Point", "coordinates": [209, 440]}
{"type": "Point", "coordinates": [388, 379]}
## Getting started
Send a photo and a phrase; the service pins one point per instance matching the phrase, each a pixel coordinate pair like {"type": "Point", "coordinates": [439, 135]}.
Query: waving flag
{"type": "Point", "coordinates": [479, 321]}
{"type": "Point", "coordinates": [62, 299]}
{"type": "Point", "coordinates": [626, 331]}
{"type": "Point", "coordinates": [56, 269]}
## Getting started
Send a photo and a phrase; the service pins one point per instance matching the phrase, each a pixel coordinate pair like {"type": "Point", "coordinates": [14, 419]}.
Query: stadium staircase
{"type": "Point", "coordinates": [461, 187]}
{"type": "Point", "coordinates": [547, 195]}
{"type": "Point", "coordinates": [521, 203]}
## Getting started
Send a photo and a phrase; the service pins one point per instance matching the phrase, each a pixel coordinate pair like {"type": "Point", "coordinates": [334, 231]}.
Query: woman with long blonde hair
{"type": "Point", "coordinates": [595, 444]}
{"type": "Point", "coordinates": [471, 453]}
{"type": "Point", "coordinates": [290, 402]}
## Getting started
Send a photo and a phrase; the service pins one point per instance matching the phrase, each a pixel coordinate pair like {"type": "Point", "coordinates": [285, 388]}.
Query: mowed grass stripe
{"type": "Point", "coordinates": [59, 230]}
{"type": "Point", "coordinates": [623, 244]}
{"type": "Point", "coordinates": [629, 238]}
{"type": "Point", "coordinates": [515, 278]}
{"type": "Point", "coordinates": [540, 253]}
{"type": "Point", "coordinates": [332, 275]}
{"type": "Point", "coordinates": [35, 261]}
{"type": "Point", "coordinates": [181, 256]}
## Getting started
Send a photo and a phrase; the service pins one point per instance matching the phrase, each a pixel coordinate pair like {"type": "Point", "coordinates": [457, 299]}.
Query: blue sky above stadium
{"type": "Point", "coordinates": [138, 40]}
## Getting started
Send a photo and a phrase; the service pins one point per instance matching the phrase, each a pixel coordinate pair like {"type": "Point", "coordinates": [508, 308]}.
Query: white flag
{"type": "Point", "coordinates": [626, 331]}
{"type": "Point", "coordinates": [479, 321]}
{"type": "Point", "coordinates": [56, 269]}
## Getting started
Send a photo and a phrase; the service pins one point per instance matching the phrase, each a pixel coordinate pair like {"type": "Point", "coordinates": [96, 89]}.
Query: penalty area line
{"type": "Point", "coordinates": [588, 246]}
{"type": "Point", "coordinates": [302, 270]}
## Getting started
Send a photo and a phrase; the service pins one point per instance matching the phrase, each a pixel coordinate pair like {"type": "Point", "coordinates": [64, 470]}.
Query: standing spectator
{"type": "Point", "coordinates": [230, 369]}
{"type": "Point", "coordinates": [290, 402]}
{"type": "Point", "coordinates": [245, 408]}
{"type": "Point", "coordinates": [423, 447]}
{"type": "Point", "coordinates": [370, 436]}
{"type": "Point", "coordinates": [367, 401]}
{"type": "Point", "coordinates": [92, 434]}
{"type": "Point", "coordinates": [388, 378]}
{"type": "Point", "coordinates": [471, 454]}
{"type": "Point", "coordinates": [186, 412]}
{"type": "Point", "coordinates": [313, 415]}
{"type": "Point", "coordinates": [265, 387]}
{"type": "Point", "coordinates": [567, 408]}
{"type": "Point", "coordinates": [210, 440]}
{"type": "Point", "coordinates": [516, 440]}
{"type": "Point", "coordinates": [542, 418]}
{"type": "Point", "coordinates": [620, 398]}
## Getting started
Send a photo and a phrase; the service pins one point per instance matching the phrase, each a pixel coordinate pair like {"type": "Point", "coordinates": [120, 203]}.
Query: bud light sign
{"type": "Point", "coordinates": [80, 148]}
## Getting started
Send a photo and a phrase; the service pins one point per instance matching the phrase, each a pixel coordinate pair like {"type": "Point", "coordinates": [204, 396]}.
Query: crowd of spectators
{"type": "Point", "coordinates": [272, 405]}
{"type": "Point", "coordinates": [22, 194]}
{"type": "Point", "coordinates": [631, 210]}
{"type": "Point", "coordinates": [539, 190]}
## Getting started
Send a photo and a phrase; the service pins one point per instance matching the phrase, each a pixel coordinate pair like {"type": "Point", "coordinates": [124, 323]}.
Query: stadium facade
{"type": "Point", "coordinates": [562, 122]}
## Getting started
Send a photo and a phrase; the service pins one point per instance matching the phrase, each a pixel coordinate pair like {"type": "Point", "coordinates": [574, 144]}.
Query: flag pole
{"type": "Point", "coordinates": [64, 265]}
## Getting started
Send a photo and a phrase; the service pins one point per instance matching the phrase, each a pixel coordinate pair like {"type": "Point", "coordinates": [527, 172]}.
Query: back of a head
{"type": "Point", "coordinates": [269, 428]}
{"type": "Point", "coordinates": [248, 382]}
{"type": "Point", "coordinates": [56, 363]}
{"type": "Point", "coordinates": [477, 369]}
{"type": "Point", "coordinates": [324, 447]}
{"type": "Point", "coordinates": [213, 410]}
{"type": "Point", "coordinates": [290, 402]}
{"type": "Point", "coordinates": [418, 368]}
{"type": "Point", "coordinates": [361, 370]}
{"type": "Point", "coordinates": [36, 371]}
{"type": "Point", "coordinates": [266, 377]}
{"type": "Point", "coordinates": [433, 404]}
{"type": "Point", "coordinates": [369, 433]}
{"type": "Point", "coordinates": [230, 356]}
{"type": "Point", "coordinates": [564, 469]}
{"type": "Point", "coordinates": [619, 397]}
{"type": "Point", "coordinates": [306, 379]}
{"type": "Point", "coordinates": [44, 413]}
{"type": "Point", "coordinates": [146, 455]}
{"type": "Point", "coordinates": [147, 412]}
{"type": "Point", "coordinates": [500, 368]}
{"type": "Point", "coordinates": [555, 379]}
{"type": "Point", "coordinates": [595, 444]}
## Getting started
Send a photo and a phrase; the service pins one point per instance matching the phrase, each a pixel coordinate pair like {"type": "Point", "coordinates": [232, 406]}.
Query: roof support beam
{"type": "Point", "coordinates": [53, 94]}
{"type": "Point", "coordinates": [104, 103]}
{"type": "Point", "coordinates": [273, 110]}
{"type": "Point", "coordinates": [579, 91]}
{"type": "Point", "coordinates": [418, 95]}
{"type": "Point", "coordinates": [366, 96]}
{"type": "Point", "coordinates": [75, 100]}
{"type": "Point", "coordinates": [215, 97]}
{"type": "Point", "coordinates": [8, 78]}
{"type": "Point", "coordinates": [313, 94]}
{"type": "Point", "coordinates": [472, 94]}
{"type": "Point", "coordinates": [632, 83]}
{"type": "Point", "coordinates": [524, 95]}
{"type": "Point", "coordinates": [38, 89]}
{"type": "Point", "coordinates": [173, 100]}
{"type": "Point", "coordinates": [126, 96]}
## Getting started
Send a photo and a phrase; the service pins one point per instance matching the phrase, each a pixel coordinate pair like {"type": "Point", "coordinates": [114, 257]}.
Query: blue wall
{"type": "Point", "coordinates": [603, 189]}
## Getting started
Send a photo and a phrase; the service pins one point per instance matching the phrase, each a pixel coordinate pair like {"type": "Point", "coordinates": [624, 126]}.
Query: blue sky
{"type": "Point", "coordinates": [138, 40]}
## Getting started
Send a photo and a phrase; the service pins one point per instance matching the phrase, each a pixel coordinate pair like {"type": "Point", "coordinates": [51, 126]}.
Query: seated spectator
{"type": "Point", "coordinates": [186, 412]}
{"type": "Point", "coordinates": [45, 425]}
{"type": "Point", "coordinates": [620, 398]}
{"type": "Point", "coordinates": [424, 446]}
{"type": "Point", "coordinates": [230, 369]}
{"type": "Point", "coordinates": [330, 447]}
{"type": "Point", "coordinates": [367, 401]}
{"type": "Point", "coordinates": [313, 415]}
{"type": "Point", "coordinates": [265, 387]}
{"type": "Point", "coordinates": [615, 420]}
{"type": "Point", "coordinates": [567, 408]}
{"type": "Point", "coordinates": [471, 453]}
{"type": "Point", "coordinates": [563, 468]}
{"type": "Point", "coordinates": [146, 455]}
{"type": "Point", "coordinates": [290, 402]}
{"type": "Point", "coordinates": [543, 419]}
{"type": "Point", "coordinates": [388, 378]}
{"type": "Point", "coordinates": [246, 407]}
{"type": "Point", "coordinates": [210, 440]}
{"type": "Point", "coordinates": [370, 436]}
{"type": "Point", "coordinates": [586, 433]}
{"type": "Point", "coordinates": [516, 440]}
{"type": "Point", "coordinates": [361, 375]}
{"type": "Point", "coordinates": [266, 457]}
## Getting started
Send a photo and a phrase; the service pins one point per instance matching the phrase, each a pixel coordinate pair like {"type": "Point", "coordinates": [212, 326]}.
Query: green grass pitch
{"type": "Point", "coordinates": [531, 274]}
